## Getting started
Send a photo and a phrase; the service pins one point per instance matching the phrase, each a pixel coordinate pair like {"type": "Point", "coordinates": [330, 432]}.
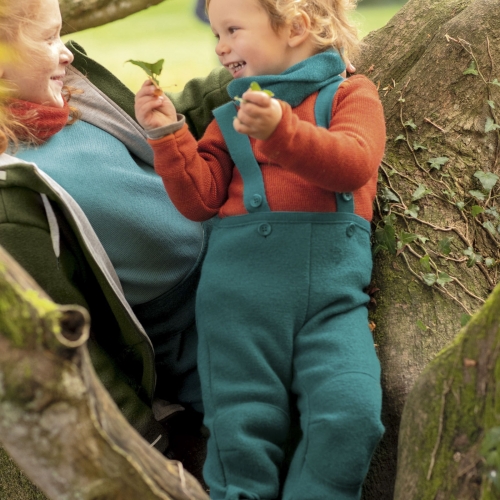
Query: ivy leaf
{"type": "Point", "coordinates": [443, 278]}
{"type": "Point", "coordinates": [473, 257]}
{"type": "Point", "coordinates": [412, 211]}
{"type": "Point", "coordinates": [153, 70]}
{"type": "Point", "coordinates": [417, 146]}
{"type": "Point", "coordinates": [476, 210]}
{"type": "Point", "coordinates": [460, 205]}
{"type": "Point", "coordinates": [389, 195]}
{"type": "Point", "coordinates": [495, 82]}
{"type": "Point", "coordinates": [407, 238]}
{"type": "Point", "coordinates": [489, 262]}
{"type": "Point", "coordinates": [464, 319]}
{"type": "Point", "coordinates": [444, 245]}
{"type": "Point", "coordinates": [478, 195]}
{"type": "Point", "coordinates": [423, 239]}
{"type": "Point", "coordinates": [487, 179]}
{"type": "Point", "coordinates": [488, 225]}
{"type": "Point", "coordinates": [437, 163]}
{"type": "Point", "coordinates": [421, 325]}
{"type": "Point", "coordinates": [493, 212]}
{"type": "Point", "coordinates": [490, 125]}
{"type": "Point", "coordinates": [386, 239]}
{"type": "Point", "coordinates": [400, 137]}
{"type": "Point", "coordinates": [425, 263]}
{"type": "Point", "coordinates": [491, 104]}
{"type": "Point", "coordinates": [420, 192]}
{"type": "Point", "coordinates": [410, 124]}
{"type": "Point", "coordinates": [429, 279]}
{"type": "Point", "coordinates": [471, 70]}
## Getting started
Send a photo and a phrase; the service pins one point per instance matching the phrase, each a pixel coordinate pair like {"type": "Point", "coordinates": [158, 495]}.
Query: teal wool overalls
{"type": "Point", "coordinates": [281, 309]}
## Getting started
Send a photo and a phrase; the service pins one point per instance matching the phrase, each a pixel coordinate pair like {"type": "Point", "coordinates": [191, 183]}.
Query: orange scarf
{"type": "Point", "coordinates": [41, 121]}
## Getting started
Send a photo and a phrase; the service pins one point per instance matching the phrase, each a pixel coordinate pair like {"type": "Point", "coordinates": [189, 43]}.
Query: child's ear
{"type": "Point", "coordinates": [300, 29]}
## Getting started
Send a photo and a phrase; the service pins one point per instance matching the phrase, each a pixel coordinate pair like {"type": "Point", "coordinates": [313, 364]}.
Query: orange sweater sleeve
{"type": "Point", "coordinates": [196, 175]}
{"type": "Point", "coordinates": [344, 157]}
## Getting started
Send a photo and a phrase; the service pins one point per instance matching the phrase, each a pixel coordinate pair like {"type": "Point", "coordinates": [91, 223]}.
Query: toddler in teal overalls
{"type": "Point", "coordinates": [280, 305]}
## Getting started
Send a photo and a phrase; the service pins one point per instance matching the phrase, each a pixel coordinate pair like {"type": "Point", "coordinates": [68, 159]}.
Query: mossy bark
{"type": "Point", "coordinates": [452, 404]}
{"type": "Point", "coordinates": [56, 420]}
{"type": "Point", "coordinates": [418, 61]}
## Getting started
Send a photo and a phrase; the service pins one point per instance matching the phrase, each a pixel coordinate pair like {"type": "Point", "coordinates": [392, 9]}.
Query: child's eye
{"type": "Point", "coordinates": [232, 29]}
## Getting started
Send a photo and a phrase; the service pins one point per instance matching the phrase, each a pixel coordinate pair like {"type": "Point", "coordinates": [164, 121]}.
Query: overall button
{"type": "Point", "coordinates": [350, 230]}
{"type": "Point", "coordinates": [256, 200]}
{"type": "Point", "coordinates": [347, 196]}
{"type": "Point", "coordinates": [264, 229]}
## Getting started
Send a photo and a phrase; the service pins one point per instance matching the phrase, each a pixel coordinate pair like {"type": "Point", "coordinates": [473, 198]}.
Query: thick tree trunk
{"type": "Point", "coordinates": [447, 415]}
{"type": "Point", "coordinates": [82, 14]}
{"type": "Point", "coordinates": [56, 419]}
{"type": "Point", "coordinates": [436, 216]}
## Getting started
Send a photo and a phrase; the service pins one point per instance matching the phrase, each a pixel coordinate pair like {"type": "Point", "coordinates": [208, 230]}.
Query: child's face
{"type": "Point", "coordinates": [38, 76]}
{"type": "Point", "coordinates": [248, 45]}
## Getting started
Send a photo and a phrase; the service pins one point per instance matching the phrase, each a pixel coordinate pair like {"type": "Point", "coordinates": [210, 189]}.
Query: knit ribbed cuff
{"type": "Point", "coordinates": [158, 133]}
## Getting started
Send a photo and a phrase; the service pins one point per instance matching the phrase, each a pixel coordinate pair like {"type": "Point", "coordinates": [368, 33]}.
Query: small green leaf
{"type": "Point", "coordinates": [437, 163]}
{"type": "Point", "coordinates": [478, 195]}
{"type": "Point", "coordinates": [460, 205]}
{"type": "Point", "coordinates": [406, 238]}
{"type": "Point", "coordinates": [423, 239]}
{"type": "Point", "coordinates": [417, 146]}
{"type": "Point", "coordinates": [443, 278]}
{"type": "Point", "coordinates": [255, 86]}
{"type": "Point", "coordinates": [464, 319]}
{"type": "Point", "coordinates": [420, 192]}
{"type": "Point", "coordinates": [489, 262]}
{"type": "Point", "coordinates": [476, 210]}
{"type": "Point", "coordinates": [400, 137]}
{"type": "Point", "coordinates": [425, 263]}
{"type": "Point", "coordinates": [487, 179]}
{"type": "Point", "coordinates": [488, 225]}
{"type": "Point", "coordinates": [444, 245]}
{"type": "Point", "coordinates": [153, 70]}
{"type": "Point", "coordinates": [491, 104]}
{"type": "Point", "coordinates": [412, 211]}
{"type": "Point", "coordinates": [389, 195]}
{"type": "Point", "coordinates": [471, 70]}
{"type": "Point", "coordinates": [473, 257]}
{"type": "Point", "coordinates": [421, 325]}
{"type": "Point", "coordinates": [410, 124]}
{"type": "Point", "coordinates": [490, 125]}
{"type": "Point", "coordinates": [495, 82]}
{"type": "Point", "coordinates": [386, 238]}
{"type": "Point", "coordinates": [429, 279]}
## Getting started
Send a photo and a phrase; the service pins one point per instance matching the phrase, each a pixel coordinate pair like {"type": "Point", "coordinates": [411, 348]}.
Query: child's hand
{"type": "Point", "coordinates": [153, 111]}
{"type": "Point", "coordinates": [258, 116]}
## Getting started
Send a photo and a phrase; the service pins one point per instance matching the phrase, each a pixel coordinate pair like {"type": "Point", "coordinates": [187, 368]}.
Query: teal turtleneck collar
{"type": "Point", "coordinates": [298, 81]}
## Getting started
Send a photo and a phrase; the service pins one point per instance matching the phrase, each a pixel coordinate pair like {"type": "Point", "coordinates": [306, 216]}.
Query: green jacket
{"type": "Point", "coordinates": [46, 232]}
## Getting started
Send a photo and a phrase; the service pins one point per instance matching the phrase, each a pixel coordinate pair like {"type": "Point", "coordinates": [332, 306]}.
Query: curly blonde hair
{"type": "Point", "coordinates": [330, 23]}
{"type": "Point", "coordinates": [16, 47]}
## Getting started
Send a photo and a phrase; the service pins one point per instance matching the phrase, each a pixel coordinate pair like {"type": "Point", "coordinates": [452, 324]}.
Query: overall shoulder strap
{"type": "Point", "coordinates": [323, 116]}
{"type": "Point", "coordinates": [238, 145]}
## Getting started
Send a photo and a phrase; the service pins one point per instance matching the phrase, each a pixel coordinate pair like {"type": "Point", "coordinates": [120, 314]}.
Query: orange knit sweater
{"type": "Point", "coordinates": [302, 164]}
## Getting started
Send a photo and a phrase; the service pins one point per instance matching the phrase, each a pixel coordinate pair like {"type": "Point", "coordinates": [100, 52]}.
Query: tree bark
{"type": "Point", "coordinates": [451, 406]}
{"type": "Point", "coordinates": [82, 14]}
{"type": "Point", "coordinates": [56, 420]}
{"type": "Point", "coordinates": [423, 232]}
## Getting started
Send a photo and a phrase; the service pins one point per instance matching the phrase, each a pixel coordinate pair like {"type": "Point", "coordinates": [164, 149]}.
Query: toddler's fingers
{"type": "Point", "coordinates": [257, 97]}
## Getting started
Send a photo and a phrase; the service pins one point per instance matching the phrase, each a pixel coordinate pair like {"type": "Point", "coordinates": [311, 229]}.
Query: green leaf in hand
{"type": "Point", "coordinates": [153, 70]}
{"type": "Point", "coordinates": [255, 87]}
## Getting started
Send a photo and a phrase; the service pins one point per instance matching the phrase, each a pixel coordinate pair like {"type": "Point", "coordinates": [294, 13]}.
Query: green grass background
{"type": "Point", "coordinates": [171, 31]}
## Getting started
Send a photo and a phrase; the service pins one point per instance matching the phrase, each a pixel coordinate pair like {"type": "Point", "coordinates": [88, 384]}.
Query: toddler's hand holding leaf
{"type": "Point", "coordinates": [153, 70]}
{"type": "Point", "coordinates": [256, 87]}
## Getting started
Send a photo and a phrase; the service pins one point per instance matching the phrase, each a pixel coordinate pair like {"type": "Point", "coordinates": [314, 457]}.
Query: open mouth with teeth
{"type": "Point", "coordinates": [236, 68]}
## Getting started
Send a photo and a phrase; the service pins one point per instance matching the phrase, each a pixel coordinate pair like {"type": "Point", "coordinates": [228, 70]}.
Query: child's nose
{"type": "Point", "coordinates": [221, 48]}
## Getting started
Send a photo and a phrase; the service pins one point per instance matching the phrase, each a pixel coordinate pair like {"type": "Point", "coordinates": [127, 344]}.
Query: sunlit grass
{"type": "Point", "coordinates": [171, 31]}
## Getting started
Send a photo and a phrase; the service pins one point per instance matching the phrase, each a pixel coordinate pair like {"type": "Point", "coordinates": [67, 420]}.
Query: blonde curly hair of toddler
{"type": "Point", "coordinates": [331, 26]}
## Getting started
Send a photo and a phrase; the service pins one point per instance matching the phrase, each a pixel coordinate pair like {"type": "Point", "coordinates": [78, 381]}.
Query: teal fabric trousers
{"type": "Point", "coordinates": [280, 309]}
